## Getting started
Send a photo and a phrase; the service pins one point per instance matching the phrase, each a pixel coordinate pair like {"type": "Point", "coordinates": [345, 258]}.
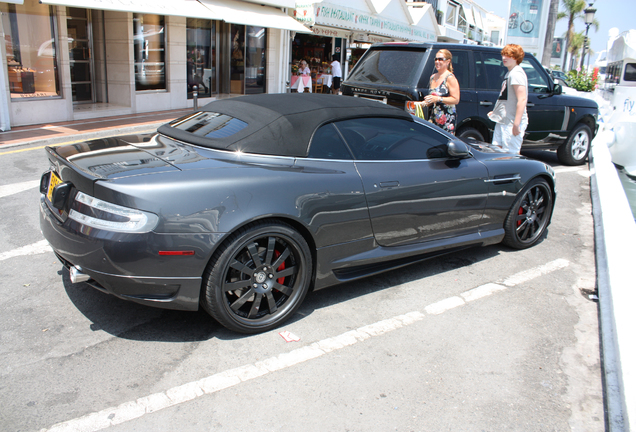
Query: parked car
{"type": "Point", "coordinates": [559, 77]}
{"type": "Point", "coordinates": [398, 72]}
{"type": "Point", "coordinates": [244, 206]}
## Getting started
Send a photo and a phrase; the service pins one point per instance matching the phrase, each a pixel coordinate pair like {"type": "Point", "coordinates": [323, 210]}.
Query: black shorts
{"type": "Point", "coordinates": [336, 82]}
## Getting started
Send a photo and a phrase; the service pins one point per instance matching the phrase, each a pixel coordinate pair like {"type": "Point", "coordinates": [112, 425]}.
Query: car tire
{"type": "Point", "coordinates": [529, 215]}
{"type": "Point", "coordinates": [258, 278]}
{"type": "Point", "coordinates": [471, 132]}
{"type": "Point", "coordinates": [577, 147]}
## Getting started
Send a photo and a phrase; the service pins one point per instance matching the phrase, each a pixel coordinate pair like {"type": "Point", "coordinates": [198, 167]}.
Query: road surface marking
{"type": "Point", "coordinates": [145, 405]}
{"type": "Point", "coordinates": [32, 249]}
{"type": "Point", "coordinates": [18, 187]}
{"type": "Point", "coordinates": [568, 169]}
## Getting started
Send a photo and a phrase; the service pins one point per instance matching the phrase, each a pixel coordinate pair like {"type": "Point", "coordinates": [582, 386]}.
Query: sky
{"type": "Point", "coordinates": [609, 13]}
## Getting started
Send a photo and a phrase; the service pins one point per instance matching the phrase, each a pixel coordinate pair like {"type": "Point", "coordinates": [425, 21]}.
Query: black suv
{"type": "Point", "coordinates": [398, 72]}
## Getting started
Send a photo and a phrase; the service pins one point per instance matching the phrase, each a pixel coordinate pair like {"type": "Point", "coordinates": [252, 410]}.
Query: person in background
{"type": "Point", "coordinates": [510, 113]}
{"type": "Point", "coordinates": [336, 72]}
{"type": "Point", "coordinates": [303, 69]}
{"type": "Point", "coordinates": [444, 93]}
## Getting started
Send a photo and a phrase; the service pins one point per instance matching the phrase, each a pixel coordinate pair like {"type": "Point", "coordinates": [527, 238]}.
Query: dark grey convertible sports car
{"type": "Point", "coordinates": [247, 204]}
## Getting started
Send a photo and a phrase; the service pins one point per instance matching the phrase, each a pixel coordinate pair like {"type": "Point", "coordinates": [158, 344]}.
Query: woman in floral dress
{"type": "Point", "coordinates": [444, 93]}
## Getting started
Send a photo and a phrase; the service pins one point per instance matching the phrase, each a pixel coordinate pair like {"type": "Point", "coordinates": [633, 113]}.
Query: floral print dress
{"type": "Point", "coordinates": [444, 116]}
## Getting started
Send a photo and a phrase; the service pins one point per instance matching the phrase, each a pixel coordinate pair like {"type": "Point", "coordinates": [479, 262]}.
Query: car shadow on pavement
{"type": "Point", "coordinates": [547, 156]}
{"type": "Point", "coordinates": [129, 320]}
{"type": "Point", "coordinates": [413, 272]}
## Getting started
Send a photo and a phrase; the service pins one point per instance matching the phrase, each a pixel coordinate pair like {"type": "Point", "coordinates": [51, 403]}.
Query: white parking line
{"type": "Point", "coordinates": [192, 390]}
{"type": "Point", "coordinates": [18, 187]}
{"type": "Point", "coordinates": [32, 249]}
{"type": "Point", "coordinates": [568, 169]}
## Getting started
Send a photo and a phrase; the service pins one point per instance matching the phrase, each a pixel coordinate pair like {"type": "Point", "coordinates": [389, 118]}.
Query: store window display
{"type": "Point", "coordinates": [149, 48]}
{"type": "Point", "coordinates": [201, 49]}
{"type": "Point", "coordinates": [30, 42]}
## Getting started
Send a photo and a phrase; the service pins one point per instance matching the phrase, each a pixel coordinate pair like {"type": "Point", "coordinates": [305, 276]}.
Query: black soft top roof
{"type": "Point", "coordinates": [282, 124]}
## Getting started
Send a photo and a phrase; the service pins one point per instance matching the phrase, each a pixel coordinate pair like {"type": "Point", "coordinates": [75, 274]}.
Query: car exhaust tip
{"type": "Point", "coordinates": [77, 276]}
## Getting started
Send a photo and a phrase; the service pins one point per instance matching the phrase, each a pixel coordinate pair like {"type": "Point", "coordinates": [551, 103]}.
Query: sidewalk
{"type": "Point", "coordinates": [56, 133]}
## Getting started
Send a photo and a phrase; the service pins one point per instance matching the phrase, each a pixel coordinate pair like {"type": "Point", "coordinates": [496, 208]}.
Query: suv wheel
{"type": "Point", "coordinates": [575, 150]}
{"type": "Point", "coordinates": [470, 132]}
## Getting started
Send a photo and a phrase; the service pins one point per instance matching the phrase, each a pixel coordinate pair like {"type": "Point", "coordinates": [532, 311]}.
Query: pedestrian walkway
{"type": "Point", "coordinates": [56, 133]}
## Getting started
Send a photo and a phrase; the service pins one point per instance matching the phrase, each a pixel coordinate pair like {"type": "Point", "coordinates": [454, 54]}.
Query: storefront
{"type": "Point", "coordinates": [76, 59]}
{"type": "Point", "coordinates": [347, 32]}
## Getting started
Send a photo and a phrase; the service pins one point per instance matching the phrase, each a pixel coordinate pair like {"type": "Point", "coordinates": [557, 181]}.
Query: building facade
{"type": "Point", "coordinates": [66, 60]}
{"type": "Point", "coordinates": [77, 59]}
{"type": "Point", "coordinates": [69, 60]}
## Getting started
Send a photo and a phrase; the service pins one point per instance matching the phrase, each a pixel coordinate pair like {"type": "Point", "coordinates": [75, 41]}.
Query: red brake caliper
{"type": "Point", "coordinates": [282, 267]}
{"type": "Point", "coordinates": [520, 212]}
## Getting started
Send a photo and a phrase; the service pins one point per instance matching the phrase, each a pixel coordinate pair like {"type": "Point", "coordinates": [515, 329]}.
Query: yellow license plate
{"type": "Point", "coordinates": [54, 181]}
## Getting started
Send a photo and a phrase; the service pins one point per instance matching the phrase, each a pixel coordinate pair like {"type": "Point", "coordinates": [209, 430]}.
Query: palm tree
{"type": "Point", "coordinates": [574, 9]}
{"type": "Point", "coordinates": [574, 47]}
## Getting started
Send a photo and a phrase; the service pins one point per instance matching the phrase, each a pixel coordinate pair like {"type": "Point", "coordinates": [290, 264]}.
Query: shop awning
{"type": "Point", "coordinates": [186, 8]}
{"type": "Point", "coordinates": [240, 12]}
{"type": "Point", "coordinates": [478, 20]}
{"type": "Point", "coordinates": [235, 12]}
{"type": "Point", "coordinates": [469, 16]}
{"type": "Point", "coordinates": [14, 1]}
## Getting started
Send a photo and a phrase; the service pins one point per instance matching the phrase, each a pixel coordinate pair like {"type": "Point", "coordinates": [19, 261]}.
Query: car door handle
{"type": "Point", "coordinates": [485, 103]}
{"type": "Point", "coordinates": [530, 104]}
{"type": "Point", "coordinates": [389, 184]}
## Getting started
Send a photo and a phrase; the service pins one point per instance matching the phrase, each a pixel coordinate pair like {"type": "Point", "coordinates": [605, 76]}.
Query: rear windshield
{"type": "Point", "coordinates": [388, 67]}
{"type": "Point", "coordinates": [209, 124]}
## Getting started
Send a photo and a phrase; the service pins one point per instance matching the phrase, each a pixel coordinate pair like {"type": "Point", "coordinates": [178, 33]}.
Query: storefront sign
{"type": "Point", "coordinates": [339, 16]}
{"type": "Point", "coordinates": [305, 13]}
{"type": "Point", "coordinates": [330, 32]}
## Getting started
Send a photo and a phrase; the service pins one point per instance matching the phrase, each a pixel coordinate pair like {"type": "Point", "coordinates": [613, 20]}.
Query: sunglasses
{"type": "Point", "coordinates": [440, 59]}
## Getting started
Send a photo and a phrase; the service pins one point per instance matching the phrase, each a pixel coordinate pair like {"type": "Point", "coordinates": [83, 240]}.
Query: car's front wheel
{"type": "Point", "coordinates": [258, 277]}
{"type": "Point", "coordinates": [577, 147]}
{"type": "Point", "coordinates": [529, 216]}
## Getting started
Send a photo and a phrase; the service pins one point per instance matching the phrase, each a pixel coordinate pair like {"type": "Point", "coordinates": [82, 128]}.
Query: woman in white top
{"type": "Point", "coordinates": [304, 69]}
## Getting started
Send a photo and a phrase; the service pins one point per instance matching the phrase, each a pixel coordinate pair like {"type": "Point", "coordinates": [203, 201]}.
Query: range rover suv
{"type": "Point", "coordinates": [398, 72]}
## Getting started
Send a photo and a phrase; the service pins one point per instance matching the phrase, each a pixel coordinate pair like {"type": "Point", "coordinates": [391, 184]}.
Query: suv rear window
{"type": "Point", "coordinates": [388, 67]}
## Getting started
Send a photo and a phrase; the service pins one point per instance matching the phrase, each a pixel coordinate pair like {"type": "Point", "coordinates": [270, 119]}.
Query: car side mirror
{"type": "Point", "coordinates": [458, 149]}
{"type": "Point", "coordinates": [558, 89]}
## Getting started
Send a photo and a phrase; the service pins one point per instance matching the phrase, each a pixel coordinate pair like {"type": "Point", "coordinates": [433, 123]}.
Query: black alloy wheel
{"type": "Point", "coordinates": [529, 216]}
{"type": "Point", "coordinates": [258, 278]}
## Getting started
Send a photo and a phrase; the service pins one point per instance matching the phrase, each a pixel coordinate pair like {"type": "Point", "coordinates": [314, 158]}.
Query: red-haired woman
{"type": "Point", "coordinates": [510, 113]}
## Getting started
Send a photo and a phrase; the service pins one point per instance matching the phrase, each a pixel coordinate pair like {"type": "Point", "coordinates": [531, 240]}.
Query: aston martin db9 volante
{"type": "Point", "coordinates": [244, 206]}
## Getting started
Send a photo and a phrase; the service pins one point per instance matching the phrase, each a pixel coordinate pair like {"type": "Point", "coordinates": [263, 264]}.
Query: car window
{"type": "Point", "coordinates": [630, 72]}
{"type": "Point", "coordinates": [490, 71]}
{"type": "Point", "coordinates": [327, 144]}
{"type": "Point", "coordinates": [392, 139]}
{"type": "Point", "coordinates": [387, 67]}
{"type": "Point", "coordinates": [460, 68]}
{"type": "Point", "coordinates": [536, 80]}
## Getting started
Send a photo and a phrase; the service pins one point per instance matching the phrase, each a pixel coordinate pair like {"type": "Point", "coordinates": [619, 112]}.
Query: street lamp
{"type": "Point", "coordinates": [589, 19]}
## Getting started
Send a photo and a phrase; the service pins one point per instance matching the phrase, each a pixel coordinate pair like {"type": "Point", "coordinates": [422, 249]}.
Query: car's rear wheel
{"type": "Point", "coordinates": [470, 132]}
{"type": "Point", "coordinates": [529, 216]}
{"type": "Point", "coordinates": [577, 147]}
{"type": "Point", "coordinates": [258, 277]}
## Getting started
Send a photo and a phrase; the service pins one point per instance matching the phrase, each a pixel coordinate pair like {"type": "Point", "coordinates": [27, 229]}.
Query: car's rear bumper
{"type": "Point", "coordinates": [128, 266]}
